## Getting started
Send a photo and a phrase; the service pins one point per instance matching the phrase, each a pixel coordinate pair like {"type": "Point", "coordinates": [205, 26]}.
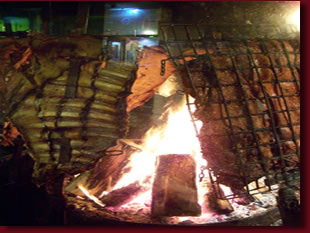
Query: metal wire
{"type": "Point", "coordinates": [185, 42]}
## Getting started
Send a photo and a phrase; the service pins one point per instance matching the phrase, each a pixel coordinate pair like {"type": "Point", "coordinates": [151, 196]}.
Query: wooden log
{"type": "Point", "coordinates": [107, 171]}
{"type": "Point", "coordinates": [123, 195]}
{"type": "Point", "coordinates": [174, 190]}
{"type": "Point", "coordinates": [73, 186]}
{"type": "Point", "coordinates": [216, 201]}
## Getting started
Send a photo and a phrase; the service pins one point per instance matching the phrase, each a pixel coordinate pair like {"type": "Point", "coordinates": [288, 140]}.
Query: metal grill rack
{"type": "Point", "coordinates": [184, 42]}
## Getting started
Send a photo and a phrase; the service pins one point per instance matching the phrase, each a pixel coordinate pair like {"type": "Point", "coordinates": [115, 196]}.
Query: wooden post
{"type": "Point", "coordinates": [174, 189]}
{"type": "Point", "coordinates": [82, 17]}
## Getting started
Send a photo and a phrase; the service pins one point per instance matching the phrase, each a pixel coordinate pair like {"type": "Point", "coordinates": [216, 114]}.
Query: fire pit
{"type": "Point", "coordinates": [229, 107]}
{"type": "Point", "coordinates": [85, 212]}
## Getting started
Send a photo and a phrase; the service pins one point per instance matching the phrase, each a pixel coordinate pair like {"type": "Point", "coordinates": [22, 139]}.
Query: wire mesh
{"type": "Point", "coordinates": [237, 61]}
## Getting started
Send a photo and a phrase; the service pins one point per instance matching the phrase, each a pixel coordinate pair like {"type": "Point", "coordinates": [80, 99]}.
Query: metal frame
{"type": "Point", "coordinates": [178, 37]}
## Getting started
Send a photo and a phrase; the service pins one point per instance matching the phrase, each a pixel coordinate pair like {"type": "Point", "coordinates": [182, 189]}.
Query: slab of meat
{"type": "Point", "coordinates": [148, 76]}
{"type": "Point", "coordinates": [68, 108]}
{"type": "Point", "coordinates": [239, 139]}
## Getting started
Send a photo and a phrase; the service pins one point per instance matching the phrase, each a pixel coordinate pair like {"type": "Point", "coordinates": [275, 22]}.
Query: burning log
{"type": "Point", "coordinates": [123, 195]}
{"type": "Point", "coordinates": [174, 190]}
{"type": "Point", "coordinates": [73, 186]}
{"type": "Point", "coordinates": [107, 171]}
{"type": "Point", "coordinates": [216, 201]}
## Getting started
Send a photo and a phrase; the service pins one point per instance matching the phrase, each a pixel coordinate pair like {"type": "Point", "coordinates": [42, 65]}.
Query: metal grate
{"type": "Point", "coordinates": [279, 46]}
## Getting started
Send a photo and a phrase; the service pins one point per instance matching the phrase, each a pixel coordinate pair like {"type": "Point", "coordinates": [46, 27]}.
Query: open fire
{"type": "Point", "coordinates": [176, 137]}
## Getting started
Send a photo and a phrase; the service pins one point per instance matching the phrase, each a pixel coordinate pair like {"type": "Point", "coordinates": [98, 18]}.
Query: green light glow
{"type": "Point", "coordinates": [18, 23]}
{"type": "Point", "coordinates": [2, 27]}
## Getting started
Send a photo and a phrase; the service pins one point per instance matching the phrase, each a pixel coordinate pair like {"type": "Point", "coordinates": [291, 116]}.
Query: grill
{"type": "Point", "coordinates": [235, 58]}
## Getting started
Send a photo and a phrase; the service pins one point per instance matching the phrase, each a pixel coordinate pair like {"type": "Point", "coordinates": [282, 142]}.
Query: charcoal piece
{"type": "Point", "coordinates": [174, 191]}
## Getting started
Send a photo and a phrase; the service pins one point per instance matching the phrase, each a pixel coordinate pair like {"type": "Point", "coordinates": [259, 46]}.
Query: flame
{"type": "Point", "coordinates": [227, 190]}
{"type": "Point", "coordinates": [176, 136]}
{"type": "Point", "coordinates": [93, 198]}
